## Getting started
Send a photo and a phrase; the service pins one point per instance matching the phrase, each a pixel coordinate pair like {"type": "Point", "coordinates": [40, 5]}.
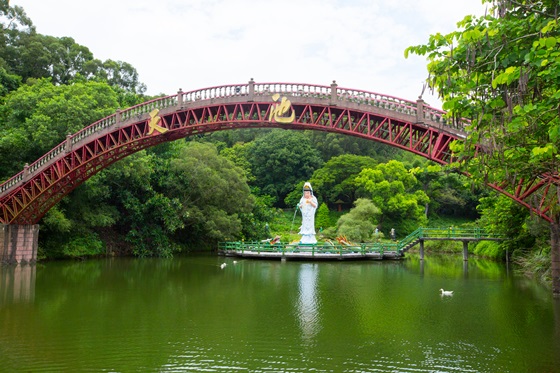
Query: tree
{"type": "Point", "coordinates": [502, 72]}
{"type": "Point", "coordinates": [8, 82]}
{"type": "Point", "coordinates": [450, 192]}
{"type": "Point", "coordinates": [336, 179]}
{"type": "Point", "coordinates": [322, 218]}
{"type": "Point", "coordinates": [213, 193]}
{"type": "Point", "coordinates": [360, 222]}
{"type": "Point", "coordinates": [503, 216]}
{"type": "Point", "coordinates": [395, 192]}
{"type": "Point", "coordinates": [39, 115]}
{"type": "Point", "coordinates": [27, 54]}
{"type": "Point", "coordinates": [122, 75]}
{"type": "Point", "coordinates": [13, 17]}
{"type": "Point", "coordinates": [331, 144]}
{"type": "Point", "coordinates": [280, 161]}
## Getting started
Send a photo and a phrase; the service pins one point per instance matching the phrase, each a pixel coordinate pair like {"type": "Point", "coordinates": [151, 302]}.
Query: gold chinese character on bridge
{"type": "Point", "coordinates": [153, 124]}
{"type": "Point", "coordinates": [279, 110]}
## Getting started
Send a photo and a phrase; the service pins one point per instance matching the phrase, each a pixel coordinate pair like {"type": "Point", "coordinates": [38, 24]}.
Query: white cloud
{"type": "Point", "coordinates": [195, 44]}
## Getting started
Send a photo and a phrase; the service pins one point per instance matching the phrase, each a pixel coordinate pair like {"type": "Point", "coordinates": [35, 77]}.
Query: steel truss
{"type": "Point", "coordinates": [33, 197]}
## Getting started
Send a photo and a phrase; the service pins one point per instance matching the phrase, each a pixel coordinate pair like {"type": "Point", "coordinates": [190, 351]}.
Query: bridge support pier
{"type": "Point", "coordinates": [465, 250]}
{"type": "Point", "coordinates": [18, 243]}
{"type": "Point", "coordinates": [421, 249]}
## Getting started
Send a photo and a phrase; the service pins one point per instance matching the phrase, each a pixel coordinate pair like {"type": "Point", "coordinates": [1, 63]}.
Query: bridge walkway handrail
{"type": "Point", "coordinates": [259, 246]}
{"type": "Point", "coordinates": [252, 90]}
{"type": "Point", "coordinates": [452, 233]}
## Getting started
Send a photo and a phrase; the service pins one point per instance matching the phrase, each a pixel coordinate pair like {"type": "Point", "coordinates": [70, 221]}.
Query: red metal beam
{"type": "Point", "coordinates": [27, 202]}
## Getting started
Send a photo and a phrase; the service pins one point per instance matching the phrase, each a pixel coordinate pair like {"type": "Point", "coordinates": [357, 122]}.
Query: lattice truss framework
{"type": "Point", "coordinates": [28, 202]}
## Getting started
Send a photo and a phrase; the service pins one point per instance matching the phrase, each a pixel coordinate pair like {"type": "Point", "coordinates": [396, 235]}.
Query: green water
{"type": "Point", "coordinates": [189, 315]}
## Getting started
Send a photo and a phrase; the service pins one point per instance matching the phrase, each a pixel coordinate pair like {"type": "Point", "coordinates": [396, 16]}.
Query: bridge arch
{"type": "Point", "coordinates": [409, 125]}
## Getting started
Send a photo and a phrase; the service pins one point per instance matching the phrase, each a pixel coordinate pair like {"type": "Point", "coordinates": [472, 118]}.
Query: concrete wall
{"type": "Point", "coordinates": [18, 243]}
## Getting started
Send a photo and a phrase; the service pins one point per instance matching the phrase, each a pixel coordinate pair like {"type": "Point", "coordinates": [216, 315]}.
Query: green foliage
{"type": "Point", "coordinates": [86, 245]}
{"type": "Point", "coordinates": [56, 220]}
{"type": "Point", "coordinates": [360, 222]}
{"type": "Point", "coordinates": [504, 216]}
{"type": "Point", "coordinates": [239, 155]}
{"type": "Point", "coordinates": [38, 116]}
{"type": "Point", "coordinates": [489, 249]}
{"type": "Point", "coordinates": [285, 224]}
{"type": "Point", "coordinates": [322, 217]}
{"type": "Point", "coordinates": [501, 71]}
{"type": "Point", "coordinates": [30, 55]}
{"type": "Point", "coordinates": [393, 190]}
{"type": "Point", "coordinates": [235, 136]}
{"type": "Point", "coordinates": [336, 179]}
{"type": "Point", "coordinates": [280, 160]}
{"type": "Point", "coordinates": [451, 193]}
{"type": "Point", "coordinates": [213, 193]}
{"type": "Point", "coordinates": [441, 247]}
{"type": "Point", "coordinates": [535, 264]}
{"type": "Point", "coordinates": [332, 145]}
{"type": "Point", "coordinates": [254, 223]}
{"type": "Point", "coordinates": [14, 17]}
{"type": "Point", "coordinates": [8, 82]}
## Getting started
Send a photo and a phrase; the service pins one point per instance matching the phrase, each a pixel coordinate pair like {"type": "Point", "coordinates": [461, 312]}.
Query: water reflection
{"type": "Point", "coordinates": [17, 284]}
{"type": "Point", "coordinates": [307, 305]}
{"type": "Point", "coordinates": [187, 314]}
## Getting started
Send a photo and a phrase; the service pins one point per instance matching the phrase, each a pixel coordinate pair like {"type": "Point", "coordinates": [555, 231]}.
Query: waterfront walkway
{"type": "Point", "coordinates": [373, 250]}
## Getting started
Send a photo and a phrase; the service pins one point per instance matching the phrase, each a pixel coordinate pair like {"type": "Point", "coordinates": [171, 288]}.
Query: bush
{"type": "Point", "coordinates": [489, 249]}
{"type": "Point", "coordinates": [87, 245]}
{"type": "Point", "coordinates": [359, 224]}
{"type": "Point", "coordinates": [322, 217]}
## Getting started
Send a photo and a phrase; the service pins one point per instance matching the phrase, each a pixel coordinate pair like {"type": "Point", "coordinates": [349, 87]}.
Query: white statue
{"type": "Point", "coordinates": [307, 206]}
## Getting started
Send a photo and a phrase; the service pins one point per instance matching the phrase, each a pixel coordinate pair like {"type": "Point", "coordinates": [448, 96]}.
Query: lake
{"type": "Point", "coordinates": [187, 314]}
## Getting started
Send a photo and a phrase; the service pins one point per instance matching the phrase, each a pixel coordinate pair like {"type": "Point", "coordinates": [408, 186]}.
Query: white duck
{"type": "Point", "coordinates": [223, 265]}
{"type": "Point", "coordinates": [446, 292]}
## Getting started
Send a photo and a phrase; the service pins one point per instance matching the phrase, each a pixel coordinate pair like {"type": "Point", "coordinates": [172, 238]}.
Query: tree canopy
{"type": "Point", "coordinates": [280, 160]}
{"type": "Point", "coordinates": [501, 71]}
{"type": "Point", "coordinates": [394, 190]}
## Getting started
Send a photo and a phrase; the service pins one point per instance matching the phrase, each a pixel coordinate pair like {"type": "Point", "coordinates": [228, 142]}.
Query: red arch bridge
{"type": "Point", "coordinates": [409, 125]}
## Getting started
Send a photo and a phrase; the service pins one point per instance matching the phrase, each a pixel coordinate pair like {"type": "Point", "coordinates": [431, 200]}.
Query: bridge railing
{"type": "Point", "coordinates": [250, 89]}
{"type": "Point", "coordinates": [447, 232]}
{"type": "Point", "coordinates": [454, 232]}
{"type": "Point", "coordinates": [91, 130]}
{"type": "Point", "coordinates": [392, 103]}
{"type": "Point", "coordinates": [265, 247]}
{"type": "Point", "coordinates": [293, 89]}
{"type": "Point", "coordinates": [378, 100]}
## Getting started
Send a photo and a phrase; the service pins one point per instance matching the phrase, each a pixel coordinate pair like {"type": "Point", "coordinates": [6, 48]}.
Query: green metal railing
{"type": "Point", "coordinates": [323, 248]}
{"type": "Point", "coordinates": [451, 233]}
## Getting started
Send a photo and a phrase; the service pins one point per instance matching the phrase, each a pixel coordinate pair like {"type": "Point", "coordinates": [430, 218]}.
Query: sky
{"type": "Point", "coordinates": [193, 44]}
